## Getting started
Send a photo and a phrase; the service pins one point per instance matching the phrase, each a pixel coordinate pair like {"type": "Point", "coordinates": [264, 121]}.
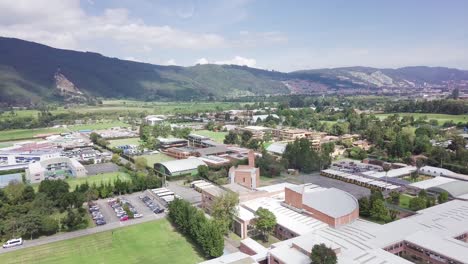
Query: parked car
{"type": "Point", "coordinates": [137, 215]}
{"type": "Point", "coordinates": [13, 243]}
{"type": "Point", "coordinates": [100, 222]}
{"type": "Point", "coordinates": [124, 218]}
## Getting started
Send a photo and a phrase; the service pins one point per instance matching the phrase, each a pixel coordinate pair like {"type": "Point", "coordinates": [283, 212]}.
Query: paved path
{"type": "Point", "coordinates": [84, 232]}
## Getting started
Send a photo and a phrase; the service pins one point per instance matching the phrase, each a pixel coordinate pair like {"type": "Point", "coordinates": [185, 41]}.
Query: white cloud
{"type": "Point", "coordinates": [202, 61]}
{"type": "Point", "coordinates": [171, 62]}
{"type": "Point", "coordinates": [238, 60]}
{"type": "Point", "coordinates": [63, 24]}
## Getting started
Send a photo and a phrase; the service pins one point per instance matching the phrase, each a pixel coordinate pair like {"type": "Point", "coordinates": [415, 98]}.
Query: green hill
{"type": "Point", "coordinates": [28, 71]}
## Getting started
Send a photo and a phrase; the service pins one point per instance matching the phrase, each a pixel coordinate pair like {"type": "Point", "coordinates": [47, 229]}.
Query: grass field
{"type": "Point", "coordinates": [405, 200]}
{"type": "Point", "coordinates": [103, 177]}
{"type": "Point", "coordinates": [16, 134]}
{"type": "Point", "coordinates": [152, 242]}
{"type": "Point", "coordinates": [441, 118]}
{"type": "Point", "coordinates": [8, 135]}
{"type": "Point", "coordinates": [216, 136]}
{"type": "Point", "coordinates": [125, 141]}
{"type": "Point", "coordinates": [155, 158]}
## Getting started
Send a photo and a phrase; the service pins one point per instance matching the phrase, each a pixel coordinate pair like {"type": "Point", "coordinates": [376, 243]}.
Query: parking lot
{"type": "Point", "coordinates": [111, 217]}
{"type": "Point", "coordinates": [355, 190]}
{"type": "Point", "coordinates": [187, 193]}
{"type": "Point", "coordinates": [95, 169]}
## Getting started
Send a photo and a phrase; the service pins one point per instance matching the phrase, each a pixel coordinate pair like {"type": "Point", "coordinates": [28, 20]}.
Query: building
{"type": "Point", "coordinates": [435, 235]}
{"type": "Point", "coordinates": [180, 153]}
{"type": "Point", "coordinates": [165, 143]}
{"type": "Point", "coordinates": [246, 175]}
{"type": "Point", "coordinates": [209, 195]}
{"type": "Point", "coordinates": [88, 154]}
{"type": "Point", "coordinates": [321, 204]}
{"type": "Point", "coordinates": [277, 148]}
{"type": "Point", "coordinates": [54, 168]}
{"type": "Point", "coordinates": [179, 167]}
{"type": "Point", "coordinates": [21, 155]}
{"type": "Point", "coordinates": [154, 119]}
{"type": "Point", "coordinates": [258, 132]}
{"type": "Point", "coordinates": [262, 118]}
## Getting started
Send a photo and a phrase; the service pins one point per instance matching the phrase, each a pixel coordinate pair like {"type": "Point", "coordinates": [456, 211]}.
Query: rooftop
{"type": "Point", "coordinates": [182, 164]}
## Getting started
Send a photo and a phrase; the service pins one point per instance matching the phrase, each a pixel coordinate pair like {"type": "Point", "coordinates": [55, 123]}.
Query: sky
{"type": "Point", "coordinates": [268, 34]}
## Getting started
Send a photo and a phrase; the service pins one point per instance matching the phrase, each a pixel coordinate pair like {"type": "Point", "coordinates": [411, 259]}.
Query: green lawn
{"type": "Point", "coordinates": [215, 136]}
{"type": "Point", "coordinates": [405, 200]}
{"type": "Point", "coordinates": [9, 135]}
{"type": "Point", "coordinates": [441, 118]}
{"type": "Point", "coordinates": [16, 134]}
{"type": "Point", "coordinates": [98, 126]}
{"type": "Point", "coordinates": [125, 141]}
{"type": "Point", "coordinates": [152, 242]}
{"type": "Point", "coordinates": [155, 158]}
{"type": "Point", "coordinates": [104, 177]}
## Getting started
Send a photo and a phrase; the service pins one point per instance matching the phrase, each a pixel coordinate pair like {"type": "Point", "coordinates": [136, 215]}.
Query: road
{"type": "Point", "coordinates": [84, 232]}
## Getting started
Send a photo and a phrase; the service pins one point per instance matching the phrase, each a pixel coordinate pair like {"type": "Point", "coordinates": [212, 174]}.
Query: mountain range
{"type": "Point", "coordinates": [32, 72]}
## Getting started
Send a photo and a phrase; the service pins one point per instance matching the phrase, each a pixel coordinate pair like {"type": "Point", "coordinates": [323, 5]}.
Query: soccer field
{"type": "Point", "coordinates": [151, 242]}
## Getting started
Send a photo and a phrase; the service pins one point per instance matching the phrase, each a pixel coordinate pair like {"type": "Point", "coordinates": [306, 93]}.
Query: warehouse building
{"type": "Point", "coordinates": [179, 167]}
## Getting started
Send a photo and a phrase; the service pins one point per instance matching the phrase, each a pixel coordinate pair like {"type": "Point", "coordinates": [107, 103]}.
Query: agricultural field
{"type": "Point", "coordinates": [151, 242]}
{"type": "Point", "coordinates": [155, 158]}
{"type": "Point", "coordinates": [215, 136]}
{"type": "Point", "coordinates": [125, 141]}
{"type": "Point", "coordinates": [441, 118]}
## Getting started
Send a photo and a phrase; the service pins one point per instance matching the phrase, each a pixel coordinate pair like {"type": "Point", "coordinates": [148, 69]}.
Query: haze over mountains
{"type": "Point", "coordinates": [31, 72]}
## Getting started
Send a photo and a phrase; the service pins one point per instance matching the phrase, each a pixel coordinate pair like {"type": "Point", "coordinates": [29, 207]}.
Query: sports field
{"type": "Point", "coordinates": [125, 141]}
{"type": "Point", "coordinates": [151, 242]}
{"type": "Point", "coordinates": [155, 158]}
{"type": "Point", "coordinates": [441, 118]}
{"type": "Point", "coordinates": [215, 136]}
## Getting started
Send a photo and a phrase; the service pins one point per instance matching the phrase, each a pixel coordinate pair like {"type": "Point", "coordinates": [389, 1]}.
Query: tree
{"type": "Point", "coordinates": [364, 207]}
{"type": "Point", "coordinates": [203, 171]}
{"type": "Point", "coordinates": [245, 137]}
{"type": "Point", "coordinates": [321, 254]}
{"type": "Point", "coordinates": [28, 194]}
{"type": "Point", "coordinates": [395, 197]}
{"type": "Point", "coordinates": [379, 210]}
{"type": "Point", "coordinates": [231, 138]}
{"type": "Point", "coordinates": [417, 203]}
{"type": "Point", "coordinates": [224, 209]}
{"type": "Point", "coordinates": [265, 221]}
{"type": "Point", "coordinates": [54, 189]}
{"type": "Point", "coordinates": [115, 158]}
{"type": "Point", "coordinates": [393, 214]}
{"type": "Point", "coordinates": [443, 197]}
{"type": "Point", "coordinates": [141, 163]}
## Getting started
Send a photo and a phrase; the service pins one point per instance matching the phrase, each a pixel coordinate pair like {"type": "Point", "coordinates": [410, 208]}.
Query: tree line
{"type": "Point", "coordinates": [206, 233]}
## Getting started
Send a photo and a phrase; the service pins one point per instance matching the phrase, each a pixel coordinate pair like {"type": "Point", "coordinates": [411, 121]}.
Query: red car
{"type": "Point", "coordinates": [124, 218]}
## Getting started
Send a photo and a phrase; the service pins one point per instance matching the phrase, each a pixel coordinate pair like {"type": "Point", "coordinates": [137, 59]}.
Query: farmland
{"type": "Point", "coordinates": [152, 242]}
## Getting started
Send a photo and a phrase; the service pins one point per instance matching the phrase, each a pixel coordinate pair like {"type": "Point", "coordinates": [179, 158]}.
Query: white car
{"type": "Point", "coordinates": [137, 216]}
{"type": "Point", "coordinates": [13, 243]}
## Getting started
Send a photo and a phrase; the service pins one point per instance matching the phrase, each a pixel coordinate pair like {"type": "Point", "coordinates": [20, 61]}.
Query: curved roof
{"type": "Point", "coordinates": [182, 165]}
{"type": "Point", "coordinates": [332, 201]}
{"type": "Point", "coordinates": [454, 188]}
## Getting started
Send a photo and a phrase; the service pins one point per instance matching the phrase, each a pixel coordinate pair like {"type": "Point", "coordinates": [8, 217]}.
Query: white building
{"type": "Point", "coordinates": [54, 168]}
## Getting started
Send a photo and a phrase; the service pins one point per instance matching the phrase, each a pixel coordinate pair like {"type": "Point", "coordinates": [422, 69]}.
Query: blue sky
{"type": "Point", "coordinates": [280, 35]}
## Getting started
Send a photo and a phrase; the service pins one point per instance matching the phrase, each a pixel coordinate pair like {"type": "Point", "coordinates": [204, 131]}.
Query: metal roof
{"type": "Point", "coordinates": [454, 188]}
{"type": "Point", "coordinates": [182, 165]}
{"type": "Point", "coordinates": [333, 202]}
{"type": "Point", "coordinates": [277, 148]}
